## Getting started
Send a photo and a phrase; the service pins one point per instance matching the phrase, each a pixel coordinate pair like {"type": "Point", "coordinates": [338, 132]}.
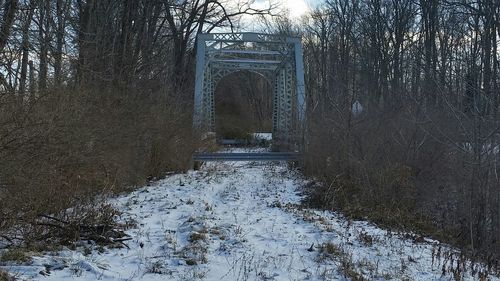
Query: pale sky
{"type": "Point", "coordinates": [295, 9]}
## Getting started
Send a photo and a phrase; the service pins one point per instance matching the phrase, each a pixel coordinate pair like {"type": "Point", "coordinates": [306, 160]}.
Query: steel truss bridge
{"type": "Point", "coordinates": [277, 58]}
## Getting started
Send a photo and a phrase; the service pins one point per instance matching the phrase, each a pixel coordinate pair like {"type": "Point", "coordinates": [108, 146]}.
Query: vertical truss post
{"type": "Point", "coordinates": [301, 93]}
{"type": "Point", "coordinates": [211, 99]}
{"type": "Point", "coordinates": [287, 99]}
{"type": "Point", "coordinates": [283, 104]}
{"type": "Point", "coordinates": [280, 101]}
{"type": "Point", "coordinates": [200, 77]}
{"type": "Point", "coordinates": [300, 84]}
{"type": "Point", "coordinates": [276, 101]}
{"type": "Point", "coordinates": [278, 122]}
{"type": "Point", "coordinates": [208, 100]}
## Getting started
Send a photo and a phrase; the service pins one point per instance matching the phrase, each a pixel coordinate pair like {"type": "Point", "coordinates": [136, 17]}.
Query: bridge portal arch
{"type": "Point", "coordinates": [243, 104]}
{"type": "Point", "coordinates": [278, 58]}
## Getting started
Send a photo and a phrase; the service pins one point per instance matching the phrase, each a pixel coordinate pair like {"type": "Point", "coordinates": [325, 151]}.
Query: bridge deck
{"type": "Point", "coordinates": [253, 156]}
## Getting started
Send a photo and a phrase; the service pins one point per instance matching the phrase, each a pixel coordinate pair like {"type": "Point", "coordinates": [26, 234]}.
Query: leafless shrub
{"type": "Point", "coordinates": [14, 255]}
{"type": "Point", "coordinates": [4, 276]}
{"type": "Point", "coordinates": [67, 151]}
{"type": "Point", "coordinates": [406, 174]}
{"type": "Point", "coordinates": [334, 252]}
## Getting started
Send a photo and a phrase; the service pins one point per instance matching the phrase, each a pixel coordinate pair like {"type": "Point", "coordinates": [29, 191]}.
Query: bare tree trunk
{"type": "Point", "coordinates": [84, 14]}
{"type": "Point", "coordinates": [32, 81]}
{"type": "Point", "coordinates": [60, 34]}
{"type": "Point", "coordinates": [25, 45]}
{"type": "Point", "coordinates": [486, 42]}
{"type": "Point", "coordinates": [44, 31]}
{"type": "Point", "coordinates": [10, 8]}
{"type": "Point", "coordinates": [429, 28]}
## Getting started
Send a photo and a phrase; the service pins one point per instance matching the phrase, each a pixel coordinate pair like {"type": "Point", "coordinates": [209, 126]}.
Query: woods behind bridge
{"type": "Point", "coordinates": [424, 153]}
{"type": "Point", "coordinates": [96, 98]}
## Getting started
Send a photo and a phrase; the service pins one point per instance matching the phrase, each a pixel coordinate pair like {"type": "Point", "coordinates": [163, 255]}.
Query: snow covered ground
{"type": "Point", "coordinates": [263, 136]}
{"type": "Point", "coordinates": [243, 221]}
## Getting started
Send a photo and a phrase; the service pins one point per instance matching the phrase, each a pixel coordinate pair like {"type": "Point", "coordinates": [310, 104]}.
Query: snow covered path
{"type": "Point", "coordinates": [243, 222]}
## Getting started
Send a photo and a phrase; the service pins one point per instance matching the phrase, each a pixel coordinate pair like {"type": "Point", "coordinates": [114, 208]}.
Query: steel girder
{"type": "Point", "coordinates": [278, 58]}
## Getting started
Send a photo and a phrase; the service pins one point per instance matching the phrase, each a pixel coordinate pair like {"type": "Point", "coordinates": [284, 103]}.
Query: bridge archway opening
{"type": "Point", "coordinates": [243, 105]}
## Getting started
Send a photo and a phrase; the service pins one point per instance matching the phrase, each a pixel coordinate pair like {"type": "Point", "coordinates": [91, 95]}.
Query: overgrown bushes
{"type": "Point", "coordinates": [4, 276]}
{"type": "Point", "coordinates": [72, 148]}
{"type": "Point", "coordinates": [409, 171]}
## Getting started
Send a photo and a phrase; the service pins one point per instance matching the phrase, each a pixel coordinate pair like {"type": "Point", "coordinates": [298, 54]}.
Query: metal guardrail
{"type": "Point", "coordinates": [255, 156]}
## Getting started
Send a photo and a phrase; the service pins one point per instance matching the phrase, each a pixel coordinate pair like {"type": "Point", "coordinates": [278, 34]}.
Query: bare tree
{"type": "Point", "coordinates": [427, 75]}
{"type": "Point", "coordinates": [9, 11]}
{"type": "Point", "coordinates": [188, 18]}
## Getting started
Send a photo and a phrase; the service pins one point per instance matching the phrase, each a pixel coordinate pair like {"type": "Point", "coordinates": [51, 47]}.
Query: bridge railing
{"type": "Point", "coordinates": [251, 156]}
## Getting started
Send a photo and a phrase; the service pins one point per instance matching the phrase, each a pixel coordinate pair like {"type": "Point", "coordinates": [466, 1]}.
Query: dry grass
{"type": "Point", "coordinates": [331, 250]}
{"type": "Point", "coordinates": [4, 276]}
{"type": "Point", "coordinates": [366, 239]}
{"type": "Point", "coordinates": [15, 255]}
{"type": "Point", "coordinates": [335, 252]}
{"type": "Point", "coordinates": [195, 236]}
